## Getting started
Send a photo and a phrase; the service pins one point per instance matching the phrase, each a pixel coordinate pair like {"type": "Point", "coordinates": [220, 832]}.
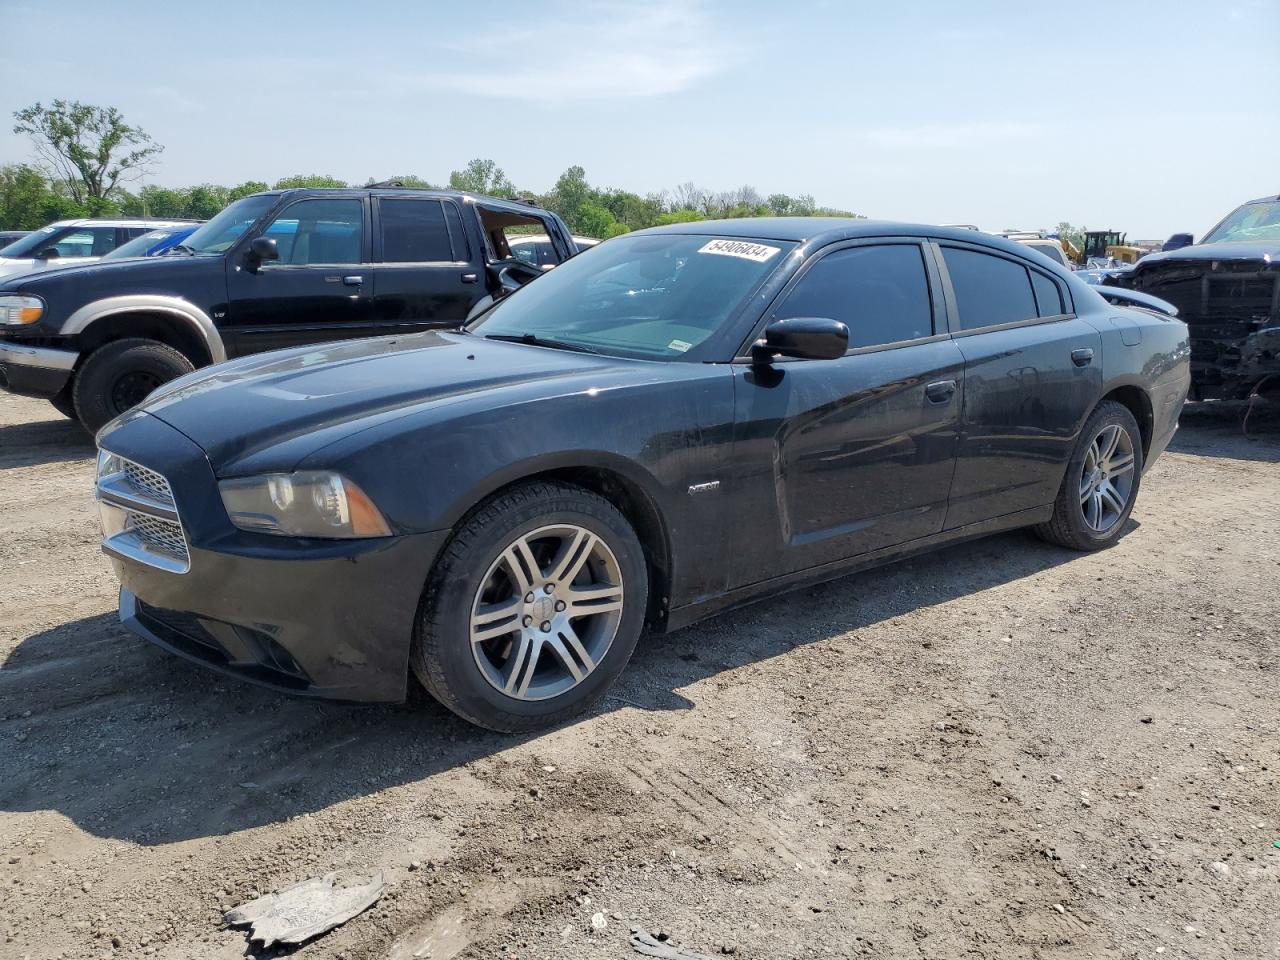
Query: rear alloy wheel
{"type": "Point", "coordinates": [1101, 483]}
{"type": "Point", "coordinates": [120, 375]}
{"type": "Point", "coordinates": [534, 608]}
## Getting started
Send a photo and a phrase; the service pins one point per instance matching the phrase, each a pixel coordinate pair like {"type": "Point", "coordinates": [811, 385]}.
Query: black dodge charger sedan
{"type": "Point", "coordinates": [684, 420]}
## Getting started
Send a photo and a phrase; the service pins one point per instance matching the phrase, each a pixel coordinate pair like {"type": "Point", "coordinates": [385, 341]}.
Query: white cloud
{"type": "Point", "coordinates": [935, 135]}
{"type": "Point", "coordinates": [594, 51]}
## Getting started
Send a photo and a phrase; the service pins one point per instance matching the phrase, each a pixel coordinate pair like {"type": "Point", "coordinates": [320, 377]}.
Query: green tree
{"type": "Point", "coordinates": [409, 180]}
{"type": "Point", "coordinates": [26, 202]}
{"type": "Point", "coordinates": [593, 220]}
{"type": "Point", "coordinates": [88, 149]}
{"type": "Point", "coordinates": [482, 176]}
{"type": "Point", "coordinates": [308, 180]}
{"type": "Point", "coordinates": [679, 216]}
{"type": "Point", "coordinates": [245, 189]}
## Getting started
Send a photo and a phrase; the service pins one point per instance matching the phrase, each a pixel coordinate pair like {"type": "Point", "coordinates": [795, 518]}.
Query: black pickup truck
{"type": "Point", "coordinates": [276, 269]}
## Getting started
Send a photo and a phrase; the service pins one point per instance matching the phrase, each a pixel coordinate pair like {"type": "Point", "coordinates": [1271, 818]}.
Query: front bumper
{"type": "Point", "coordinates": [35, 371]}
{"type": "Point", "coordinates": [327, 619]}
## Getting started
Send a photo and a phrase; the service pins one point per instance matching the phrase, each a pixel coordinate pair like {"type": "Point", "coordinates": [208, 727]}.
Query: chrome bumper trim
{"type": "Point", "coordinates": [20, 355]}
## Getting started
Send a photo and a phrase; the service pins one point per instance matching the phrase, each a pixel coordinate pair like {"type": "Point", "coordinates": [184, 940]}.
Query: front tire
{"type": "Point", "coordinates": [1101, 483]}
{"type": "Point", "coordinates": [533, 608]}
{"type": "Point", "coordinates": [120, 375]}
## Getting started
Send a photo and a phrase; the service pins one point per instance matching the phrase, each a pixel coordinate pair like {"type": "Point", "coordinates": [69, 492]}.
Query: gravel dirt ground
{"type": "Point", "coordinates": [1001, 750]}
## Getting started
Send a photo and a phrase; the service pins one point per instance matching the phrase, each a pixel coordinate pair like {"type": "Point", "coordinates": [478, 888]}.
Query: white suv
{"type": "Point", "coordinates": [73, 241]}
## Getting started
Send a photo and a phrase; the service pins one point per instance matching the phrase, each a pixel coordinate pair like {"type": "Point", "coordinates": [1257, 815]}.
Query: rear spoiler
{"type": "Point", "coordinates": [1133, 298]}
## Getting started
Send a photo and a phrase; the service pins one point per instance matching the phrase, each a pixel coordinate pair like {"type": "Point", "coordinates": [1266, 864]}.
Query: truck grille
{"type": "Point", "coordinates": [140, 517]}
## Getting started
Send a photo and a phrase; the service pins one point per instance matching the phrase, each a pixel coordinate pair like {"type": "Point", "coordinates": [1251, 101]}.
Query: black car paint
{"type": "Point", "coordinates": [741, 478]}
{"type": "Point", "coordinates": [251, 307]}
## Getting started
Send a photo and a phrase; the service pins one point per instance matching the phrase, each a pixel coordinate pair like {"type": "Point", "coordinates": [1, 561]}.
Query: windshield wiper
{"type": "Point", "coordinates": [536, 341]}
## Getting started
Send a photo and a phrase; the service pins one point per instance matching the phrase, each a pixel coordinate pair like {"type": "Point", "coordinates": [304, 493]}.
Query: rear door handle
{"type": "Point", "coordinates": [940, 391]}
{"type": "Point", "coordinates": [1082, 357]}
{"type": "Point", "coordinates": [352, 281]}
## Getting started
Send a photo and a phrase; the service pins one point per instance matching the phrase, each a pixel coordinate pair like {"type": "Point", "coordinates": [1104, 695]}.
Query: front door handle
{"type": "Point", "coordinates": [352, 281]}
{"type": "Point", "coordinates": [470, 277]}
{"type": "Point", "coordinates": [940, 391]}
{"type": "Point", "coordinates": [1082, 357]}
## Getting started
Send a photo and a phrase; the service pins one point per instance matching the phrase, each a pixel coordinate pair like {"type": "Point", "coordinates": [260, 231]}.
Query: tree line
{"type": "Point", "coordinates": [88, 157]}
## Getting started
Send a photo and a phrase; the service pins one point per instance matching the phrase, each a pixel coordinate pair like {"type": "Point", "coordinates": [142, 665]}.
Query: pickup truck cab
{"type": "Point", "coordinates": [276, 269]}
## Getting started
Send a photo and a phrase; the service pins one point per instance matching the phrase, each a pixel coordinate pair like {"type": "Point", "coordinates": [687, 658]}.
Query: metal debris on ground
{"type": "Point", "coordinates": [304, 910]}
{"type": "Point", "coordinates": [645, 943]}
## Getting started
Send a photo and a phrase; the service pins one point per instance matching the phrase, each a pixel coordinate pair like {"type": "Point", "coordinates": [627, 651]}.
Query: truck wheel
{"type": "Point", "coordinates": [64, 403]}
{"type": "Point", "coordinates": [1101, 483]}
{"type": "Point", "coordinates": [120, 375]}
{"type": "Point", "coordinates": [533, 608]}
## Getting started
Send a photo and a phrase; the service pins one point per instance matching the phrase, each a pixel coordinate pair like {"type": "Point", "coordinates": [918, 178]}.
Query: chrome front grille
{"type": "Point", "coordinates": [148, 482]}
{"type": "Point", "coordinates": [163, 535]}
{"type": "Point", "coordinates": [139, 515]}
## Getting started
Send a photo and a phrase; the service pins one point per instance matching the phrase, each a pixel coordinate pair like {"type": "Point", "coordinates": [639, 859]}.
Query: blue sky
{"type": "Point", "coordinates": [1147, 117]}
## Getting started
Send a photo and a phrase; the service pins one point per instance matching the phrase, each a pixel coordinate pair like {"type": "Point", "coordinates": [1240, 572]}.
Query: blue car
{"type": "Point", "coordinates": [153, 243]}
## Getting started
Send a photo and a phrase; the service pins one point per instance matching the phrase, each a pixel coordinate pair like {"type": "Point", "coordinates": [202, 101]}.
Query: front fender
{"type": "Point", "coordinates": [182, 310]}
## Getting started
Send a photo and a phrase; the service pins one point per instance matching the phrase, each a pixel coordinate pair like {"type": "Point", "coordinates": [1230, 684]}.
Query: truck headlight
{"type": "Point", "coordinates": [307, 504]}
{"type": "Point", "coordinates": [19, 311]}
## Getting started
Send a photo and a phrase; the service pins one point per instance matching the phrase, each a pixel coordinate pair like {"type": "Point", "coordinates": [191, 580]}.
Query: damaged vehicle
{"type": "Point", "coordinates": [1227, 291]}
{"type": "Point", "coordinates": [500, 510]}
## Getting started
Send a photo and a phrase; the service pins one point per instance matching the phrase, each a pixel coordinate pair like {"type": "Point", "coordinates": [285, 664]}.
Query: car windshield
{"type": "Point", "coordinates": [138, 246]}
{"type": "Point", "coordinates": [220, 233]}
{"type": "Point", "coordinates": [33, 243]}
{"type": "Point", "coordinates": [654, 297]}
{"type": "Point", "coordinates": [1251, 223]}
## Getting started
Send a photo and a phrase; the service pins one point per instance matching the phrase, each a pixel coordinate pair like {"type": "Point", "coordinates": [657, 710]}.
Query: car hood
{"type": "Point", "coordinates": [1268, 252]}
{"type": "Point", "coordinates": [292, 402]}
{"type": "Point", "coordinates": [146, 268]}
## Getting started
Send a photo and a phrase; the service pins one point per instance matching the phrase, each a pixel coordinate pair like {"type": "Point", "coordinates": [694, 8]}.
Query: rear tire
{"type": "Point", "coordinates": [120, 375]}
{"type": "Point", "coordinates": [516, 644]}
{"type": "Point", "coordinates": [1101, 483]}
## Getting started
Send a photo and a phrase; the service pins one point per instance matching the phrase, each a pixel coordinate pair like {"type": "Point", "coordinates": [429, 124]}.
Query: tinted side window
{"type": "Point", "coordinates": [461, 249]}
{"type": "Point", "coordinates": [414, 231]}
{"type": "Point", "coordinates": [319, 231]}
{"type": "Point", "coordinates": [881, 293]}
{"type": "Point", "coordinates": [1048, 295]}
{"type": "Point", "coordinates": [989, 290]}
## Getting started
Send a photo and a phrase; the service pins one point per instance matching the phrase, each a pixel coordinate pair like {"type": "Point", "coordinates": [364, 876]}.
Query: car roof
{"type": "Point", "coordinates": [1275, 199]}
{"type": "Point", "coordinates": [118, 222]}
{"type": "Point", "coordinates": [820, 231]}
{"type": "Point", "coordinates": [513, 206]}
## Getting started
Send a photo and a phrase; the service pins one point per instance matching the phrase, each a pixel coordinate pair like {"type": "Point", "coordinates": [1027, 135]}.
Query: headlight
{"type": "Point", "coordinates": [308, 504]}
{"type": "Point", "coordinates": [18, 311]}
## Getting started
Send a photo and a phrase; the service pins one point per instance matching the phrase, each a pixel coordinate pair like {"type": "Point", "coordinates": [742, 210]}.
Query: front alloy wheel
{"type": "Point", "coordinates": [546, 612]}
{"type": "Point", "coordinates": [533, 607]}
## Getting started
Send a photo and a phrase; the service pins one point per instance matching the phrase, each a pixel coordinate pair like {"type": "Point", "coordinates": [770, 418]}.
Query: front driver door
{"type": "Point", "coordinates": [320, 289]}
{"type": "Point", "coordinates": [851, 455]}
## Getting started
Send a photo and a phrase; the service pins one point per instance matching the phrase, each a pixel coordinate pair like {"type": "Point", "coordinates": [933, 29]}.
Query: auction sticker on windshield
{"type": "Point", "coordinates": [742, 249]}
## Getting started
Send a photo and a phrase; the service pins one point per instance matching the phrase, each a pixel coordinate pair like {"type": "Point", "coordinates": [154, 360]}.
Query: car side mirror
{"type": "Point", "coordinates": [48, 253]}
{"type": "Point", "coordinates": [1179, 240]}
{"type": "Point", "coordinates": [262, 249]}
{"type": "Point", "coordinates": [805, 338]}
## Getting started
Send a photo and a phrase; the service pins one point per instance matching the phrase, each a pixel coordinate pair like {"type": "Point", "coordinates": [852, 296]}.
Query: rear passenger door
{"type": "Point", "coordinates": [1033, 370]}
{"type": "Point", "coordinates": [426, 273]}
